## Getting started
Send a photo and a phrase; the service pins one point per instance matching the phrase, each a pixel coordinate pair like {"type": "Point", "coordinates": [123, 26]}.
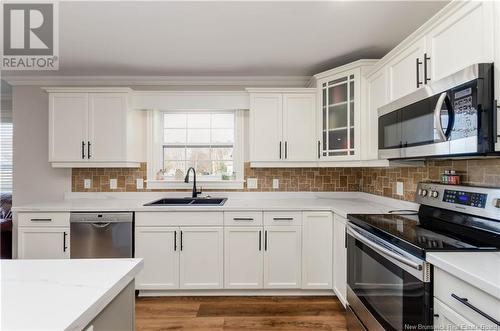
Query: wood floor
{"type": "Point", "coordinates": [240, 313]}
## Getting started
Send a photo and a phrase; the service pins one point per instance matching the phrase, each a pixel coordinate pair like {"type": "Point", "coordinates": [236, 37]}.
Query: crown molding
{"type": "Point", "coordinates": [284, 81]}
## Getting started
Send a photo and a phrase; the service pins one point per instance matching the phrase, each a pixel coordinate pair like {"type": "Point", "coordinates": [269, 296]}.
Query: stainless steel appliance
{"type": "Point", "coordinates": [455, 115]}
{"type": "Point", "coordinates": [389, 282]}
{"type": "Point", "coordinates": [101, 235]}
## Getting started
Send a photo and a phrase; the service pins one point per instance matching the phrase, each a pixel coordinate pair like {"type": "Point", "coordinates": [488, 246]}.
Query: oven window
{"type": "Point", "coordinates": [393, 296]}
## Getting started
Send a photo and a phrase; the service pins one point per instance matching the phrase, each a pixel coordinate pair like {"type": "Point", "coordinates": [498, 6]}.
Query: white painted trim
{"type": "Point", "coordinates": [229, 292]}
{"type": "Point", "coordinates": [280, 90]}
{"type": "Point", "coordinates": [346, 67]}
{"type": "Point", "coordinates": [291, 81]}
{"type": "Point", "coordinates": [283, 164]}
{"type": "Point", "coordinates": [191, 100]}
{"type": "Point", "coordinates": [65, 89]}
{"type": "Point", "coordinates": [201, 184]}
{"type": "Point", "coordinates": [96, 164]}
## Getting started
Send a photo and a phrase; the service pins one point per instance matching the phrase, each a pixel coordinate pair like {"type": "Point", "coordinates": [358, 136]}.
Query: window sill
{"type": "Point", "coordinates": [211, 184]}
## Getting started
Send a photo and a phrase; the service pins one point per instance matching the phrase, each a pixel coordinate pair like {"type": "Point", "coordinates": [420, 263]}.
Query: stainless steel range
{"type": "Point", "coordinates": [389, 283]}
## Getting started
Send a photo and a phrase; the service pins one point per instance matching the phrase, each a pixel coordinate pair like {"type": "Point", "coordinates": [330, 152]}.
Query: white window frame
{"type": "Point", "coordinates": [155, 154]}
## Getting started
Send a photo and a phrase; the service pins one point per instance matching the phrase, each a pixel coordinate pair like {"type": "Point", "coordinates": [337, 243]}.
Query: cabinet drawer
{"type": "Point", "coordinates": [43, 219]}
{"type": "Point", "coordinates": [165, 218]}
{"type": "Point", "coordinates": [449, 289]}
{"type": "Point", "coordinates": [243, 218]}
{"type": "Point", "coordinates": [283, 218]}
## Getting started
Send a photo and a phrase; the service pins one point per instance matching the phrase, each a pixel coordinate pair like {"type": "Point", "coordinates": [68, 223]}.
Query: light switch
{"type": "Point", "coordinates": [139, 183]}
{"type": "Point", "coordinates": [113, 184]}
{"type": "Point", "coordinates": [252, 183]}
{"type": "Point", "coordinates": [87, 183]}
{"type": "Point", "coordinates": [276, 183]}
{"type": "Point", "coordinates": [399, 188]}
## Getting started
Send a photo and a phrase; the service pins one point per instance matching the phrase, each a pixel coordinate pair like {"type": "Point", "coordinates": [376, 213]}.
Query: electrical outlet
{"type": "Point", "coordinates": [113, 184]}
{"type": "Point", "coordinates": [139, 183]}
{"type": "Point", "coordinates": [399, 188]}
{"type": "Point", "coordinates": [276, 183]}
{"type": "Point", "coordinates": [252, 183]}
{"type": "Point", "coordinates": [87, 183]}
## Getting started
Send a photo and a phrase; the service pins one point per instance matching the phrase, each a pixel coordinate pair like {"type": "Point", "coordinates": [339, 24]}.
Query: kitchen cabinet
{"type": "Point", "coordinates": [201, 257]}
{"type": "Point", "coordinates": [282, 125]}
{"type": "Point", "coordinates": [43, 243]}
{"type": "Point", "coordinates": [496, 64]}
{"type": "Point", "coordinates": [180, 257]}
{"type": "Point", "coordinates": [377, 95]}
{"type": "Point", "coordinates": [93, 128]}
{"type": "Point", "coordinates": [244, 257]}
{"type": "Point", "coordinates": [282, 257]}
{"type": "Point", "coordinates": [342, 112]}
{"type": "Point", "coordinates": [159, 248]}
{"type": "Point", "coordinates": [317, 253]}
{"type": "Point", "coordinates": [340, 259]}
{"type": "Point", "coordinates": [406, 70]}
{"type": "Point", "coordinates": [446, 318]}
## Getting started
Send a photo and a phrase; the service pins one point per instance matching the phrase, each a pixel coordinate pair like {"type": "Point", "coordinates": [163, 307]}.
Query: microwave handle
{"type": "Point", "coordinates": [437, 117]}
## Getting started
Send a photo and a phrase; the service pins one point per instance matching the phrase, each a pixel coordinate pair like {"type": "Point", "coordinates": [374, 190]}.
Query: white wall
{"type": "Point", "coordinates": [34, 179]}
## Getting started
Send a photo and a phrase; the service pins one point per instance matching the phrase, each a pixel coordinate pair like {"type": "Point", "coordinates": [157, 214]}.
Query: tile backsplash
{"type": "Point", "coordinates": [380, 181]}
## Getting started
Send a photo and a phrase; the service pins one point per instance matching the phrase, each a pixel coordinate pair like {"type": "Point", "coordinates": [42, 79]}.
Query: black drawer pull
{"type": "Point", "coordinates": [282, 218]}
{"type": "Point", "coordinates": [242, 219]}
{"type": "Point", "coordinates": [465, 301]}
{"type": "Point", "coordinates": [41, 220]}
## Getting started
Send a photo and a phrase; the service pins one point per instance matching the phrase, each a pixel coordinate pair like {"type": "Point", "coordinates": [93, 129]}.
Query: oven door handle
{"type": "Point", "coordinates": [382, 250]}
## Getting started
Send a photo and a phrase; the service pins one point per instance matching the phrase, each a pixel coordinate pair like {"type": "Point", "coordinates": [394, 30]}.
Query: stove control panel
{"type": "Point", "coordinates": [480, 201]}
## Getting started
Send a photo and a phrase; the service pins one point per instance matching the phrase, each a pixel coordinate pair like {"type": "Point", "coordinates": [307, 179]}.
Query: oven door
{"type": "Point", "coordinates": [388, 289]}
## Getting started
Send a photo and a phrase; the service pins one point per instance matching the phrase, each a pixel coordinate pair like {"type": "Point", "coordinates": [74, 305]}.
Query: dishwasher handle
{"type": "Point", "coordinates": [99, 224]}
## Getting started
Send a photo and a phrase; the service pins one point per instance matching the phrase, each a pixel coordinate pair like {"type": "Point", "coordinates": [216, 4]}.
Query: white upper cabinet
{"type": "Point", "coordinates": [464, 37]}
{"type": "Point", "coordinates": [342, 114]}
{"type": "Point", "coordinates": [377, 95]}
{"type": "Point", "coordinates": [282, 126]}
{"type": "Point", "coordinates": [94, 128]}
{"type": "Point", "coordinates": [406, 70]}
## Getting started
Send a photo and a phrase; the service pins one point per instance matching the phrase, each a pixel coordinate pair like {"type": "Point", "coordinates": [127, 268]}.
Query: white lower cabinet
{"type": "Point", "coordinates": [159, 249]}
{"type": "Point", "coordinates": [446, 318]}
{"type": "Point", "coordinates": [243, 257]}
{"type": "Point", "coordinates": [282, 257]}
{"type": "Point", "coordinates": [201, 257]}
{"type": "Point", "coordinates": [340, 259]}
{"type": "Point", "coordinates": [317, 250]}
{"type": "Point", "coordinates": [179, 257]}
{"type": "Point", "coordinates": [43, 242]}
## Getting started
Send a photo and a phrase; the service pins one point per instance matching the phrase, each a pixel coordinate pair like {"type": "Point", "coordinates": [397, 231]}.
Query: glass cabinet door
{"type": "Point", "coordinates": [338, 117]}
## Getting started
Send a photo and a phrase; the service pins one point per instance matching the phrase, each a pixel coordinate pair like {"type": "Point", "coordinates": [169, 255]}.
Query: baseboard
{"type": "Point", "coordinates": [175, 293]}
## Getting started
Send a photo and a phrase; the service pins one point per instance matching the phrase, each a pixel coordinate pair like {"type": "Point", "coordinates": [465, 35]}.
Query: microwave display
{"type": "Point", "coordinates": [465, 113]}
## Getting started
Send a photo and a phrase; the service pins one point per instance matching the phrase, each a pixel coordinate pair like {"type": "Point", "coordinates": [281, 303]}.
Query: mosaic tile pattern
{"type": "Point", "coordinates": [380, 181]}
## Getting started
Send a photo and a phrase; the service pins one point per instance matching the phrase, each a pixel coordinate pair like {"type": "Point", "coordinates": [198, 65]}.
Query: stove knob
{"type": "Point", "coordinates": [434, 194]}
{"type": "Point", "coordinates": [423, 193]}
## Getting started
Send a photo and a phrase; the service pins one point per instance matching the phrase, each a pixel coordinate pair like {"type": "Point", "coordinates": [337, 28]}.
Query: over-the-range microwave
{"type": "Point", "coordinates": [453, 116]}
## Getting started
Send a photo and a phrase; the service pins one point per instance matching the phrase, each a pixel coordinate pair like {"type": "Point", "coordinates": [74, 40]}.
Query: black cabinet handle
{"type": "Point", "coordinates": [83, 150]}
{"type": "Point", "coordinates": [182, 244]}
{"type": "Point", "coordinates": [88, 150]}
{"type": "Point", "coordinates": [260, 240]}
{"type": "Point", "coordinates": [465, 301]}
{"type": "Point", "coordinates": [282, 218]}
{"type": "Point", "coordinates": [286, 150]}
{"type": "Point", "coordinates": [242, 219]}
{"type": "Point", "coordinates": [418, 72]}
{"type": "Point", "coordinates": [426, 77]}
{"type": "Point", "coordinates": [41, 220]}
{"type": "Point", "coordinates": [319, 149]}
{"type": "Point", "coordinates": [496, 109]}
{"type": "Point", "coordinates": [265, 240]}
{"type": "Point", "coordinates": [280, 150]}
{"type": "Point", "coordinates": [175, 241]}
{"type": "Point", "coordinates": [64, 241]}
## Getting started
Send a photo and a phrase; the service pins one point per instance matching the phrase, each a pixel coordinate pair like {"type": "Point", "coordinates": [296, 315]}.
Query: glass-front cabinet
{"type": "Point", "coordinates": [338, 125]}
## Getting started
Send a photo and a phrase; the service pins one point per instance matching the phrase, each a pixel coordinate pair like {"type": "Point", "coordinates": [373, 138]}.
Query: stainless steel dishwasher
{"type": "Point", "coordinates": [101, 235]}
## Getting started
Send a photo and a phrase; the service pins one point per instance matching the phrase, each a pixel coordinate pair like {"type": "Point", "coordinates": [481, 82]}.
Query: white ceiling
{"type": "Point", "coordinates": [229, 38]}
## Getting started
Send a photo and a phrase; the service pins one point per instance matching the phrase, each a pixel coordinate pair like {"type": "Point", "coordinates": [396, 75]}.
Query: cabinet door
{"type": "Point", "coordinates": [43, 243]}
{"type": "Point", "coordinates": [282, 257]}
{"type": "Point", "coordinates": [243, 257]}
{"type": "Point", "coordinates": [339, 259]}
{"type": "Point", "coordinates": [496, 64]}
{"type": "Point", "coordinates": [266, 127]}
{"type": "Point", "coordinates": [159, 247]}
{"type": "Point", "coordinates": [446, 318]}
{"type": "Point", "coordinates": [107, 128]}
{"type": "Point", "coordinates": [377, 96]}
{"type": "Point", "coordinates": [299, 127]}
{"type": "Point", "coordinates": [402, 70]}
{"type": "Point", "coordinates": [464, 38]}
{"type": "Point", "coordinates": [202, 255]}
{"type": "Point", "coordinates": [68, 117]}
{"type": "Point", "coordinates": [317, 250]}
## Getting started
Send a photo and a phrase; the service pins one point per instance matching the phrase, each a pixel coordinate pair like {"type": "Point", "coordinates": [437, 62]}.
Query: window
{"type": "Point", "coordinates": [205, 140]}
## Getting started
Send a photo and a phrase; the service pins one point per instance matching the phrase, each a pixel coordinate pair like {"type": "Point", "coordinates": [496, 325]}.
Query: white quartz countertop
{"type": "Point", "coordinates": [60, 294]}
{"type": "Point", "coordinates": [480, 269]}
{"type": "Point", "coordinates": [341, 203]}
